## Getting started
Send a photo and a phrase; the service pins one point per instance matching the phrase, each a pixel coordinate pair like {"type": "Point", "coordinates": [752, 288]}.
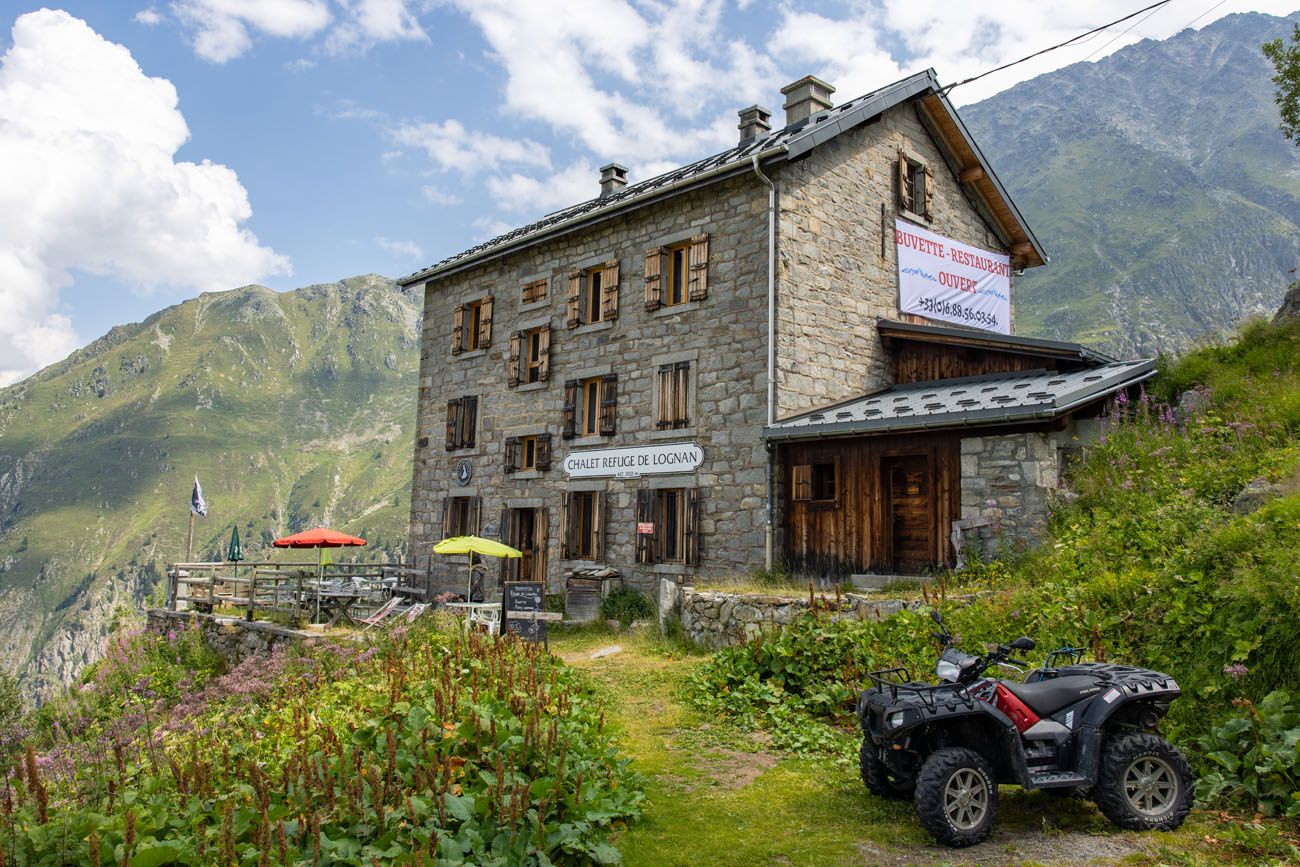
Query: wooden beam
{"type": "Point", "coordinates": [971, 175]}
{"type": "Point", "coordinates": [1022, 248]}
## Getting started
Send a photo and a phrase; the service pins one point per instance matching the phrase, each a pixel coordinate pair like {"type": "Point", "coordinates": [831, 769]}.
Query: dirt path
{"type": "Point", "coordinates": [716, 796]}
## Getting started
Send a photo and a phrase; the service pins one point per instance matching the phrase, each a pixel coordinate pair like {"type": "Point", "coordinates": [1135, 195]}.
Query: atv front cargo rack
{"type": "Point", "coordinates": [887, 681]}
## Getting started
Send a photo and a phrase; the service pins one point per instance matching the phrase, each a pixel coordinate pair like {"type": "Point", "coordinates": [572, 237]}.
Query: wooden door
{"type": "Point", "coordinates": [909, 524]}
{"type": "Point", "coordinates": [528, 533]}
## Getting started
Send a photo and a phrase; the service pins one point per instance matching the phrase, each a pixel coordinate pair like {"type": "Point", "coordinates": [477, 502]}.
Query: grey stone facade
{"type": "Point", "coordinates": [832, 283]}
{"type": "Point", "coordinates": [1007, 482]}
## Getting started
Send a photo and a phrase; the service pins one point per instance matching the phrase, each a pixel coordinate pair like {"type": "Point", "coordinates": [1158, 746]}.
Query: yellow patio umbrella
{"type": "Point", "coordinates": [472, 545]}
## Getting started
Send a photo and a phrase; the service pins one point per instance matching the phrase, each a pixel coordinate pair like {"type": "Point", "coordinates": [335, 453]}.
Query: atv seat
{"type": "Point", "coordinates": [1046, 697]}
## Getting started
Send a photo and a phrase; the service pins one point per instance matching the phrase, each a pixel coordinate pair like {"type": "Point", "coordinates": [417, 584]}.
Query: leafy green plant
{"type": "Point", "coordinates": [626, 604]}
{"type": "Point", "coordinates": [1255, 758]}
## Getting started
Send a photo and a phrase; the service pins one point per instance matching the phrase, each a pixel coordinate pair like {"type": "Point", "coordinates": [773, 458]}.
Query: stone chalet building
{"type": "Point", "coordinates": [711, 371]}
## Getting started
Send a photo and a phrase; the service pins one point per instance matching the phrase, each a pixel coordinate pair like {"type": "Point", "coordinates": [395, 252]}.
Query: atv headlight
{"type": "Point", "coordinates": [895, 719]}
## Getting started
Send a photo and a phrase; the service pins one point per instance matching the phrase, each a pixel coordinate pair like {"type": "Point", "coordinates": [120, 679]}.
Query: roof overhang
{"type": "Point", "coordinates": [892, 331]}
{"type": "Point", "coordinates": [937, 404]}
{"type": "Point", "coordinates": [792, 142]}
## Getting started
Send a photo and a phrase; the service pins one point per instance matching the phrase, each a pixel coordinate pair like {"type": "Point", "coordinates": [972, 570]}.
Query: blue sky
{"type": "Point", "coordinates": [153, 150]}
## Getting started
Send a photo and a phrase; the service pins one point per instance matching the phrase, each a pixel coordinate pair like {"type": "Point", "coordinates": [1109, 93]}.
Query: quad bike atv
{"type": "Point", "coordinates": [1068, 729]}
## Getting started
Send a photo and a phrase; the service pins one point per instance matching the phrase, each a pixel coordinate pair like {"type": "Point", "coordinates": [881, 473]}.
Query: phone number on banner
{"type": "Point", "coordinates": [949, 310]}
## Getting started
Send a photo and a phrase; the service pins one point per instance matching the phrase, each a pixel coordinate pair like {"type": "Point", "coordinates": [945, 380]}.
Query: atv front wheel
{"type": "Point", "coordinates": [1145, 784]}
{"type": "Point", "coordinates": [880, 780]}
{"type": "Point", "coordinates": [957, 796]}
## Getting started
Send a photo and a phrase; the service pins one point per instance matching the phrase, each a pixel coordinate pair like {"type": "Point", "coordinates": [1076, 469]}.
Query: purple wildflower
{"type": "Point", "coordinates": [1236, 670]}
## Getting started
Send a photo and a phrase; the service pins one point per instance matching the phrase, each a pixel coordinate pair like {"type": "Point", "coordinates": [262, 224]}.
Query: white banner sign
{"type": "Point", "coordinates": [940, 278]}
{"type": "Point", "coordinates": [633, 462]}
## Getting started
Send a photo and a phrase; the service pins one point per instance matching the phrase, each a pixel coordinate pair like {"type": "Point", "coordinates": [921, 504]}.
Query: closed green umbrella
{"type": "Point", "coordinates": [235, 553]}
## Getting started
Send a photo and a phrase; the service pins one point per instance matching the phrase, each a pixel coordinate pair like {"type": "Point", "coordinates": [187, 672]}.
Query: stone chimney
{"type": "Point", "coordinates": [755, 122]}
{"type": "Point", "coordinates": [806, 97]}
{"type": "Point", "coordinates": [613, 178]}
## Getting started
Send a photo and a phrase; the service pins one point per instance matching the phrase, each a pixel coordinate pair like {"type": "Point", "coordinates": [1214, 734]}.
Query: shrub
{"type": "Point", "coordinates": [1254, 760]}
{"type": "Point", "coordinates": [625, 605]}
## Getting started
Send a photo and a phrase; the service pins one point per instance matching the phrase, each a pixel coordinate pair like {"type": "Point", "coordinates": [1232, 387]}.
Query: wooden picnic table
{"type": "Point", "coordinates": [338, 604]}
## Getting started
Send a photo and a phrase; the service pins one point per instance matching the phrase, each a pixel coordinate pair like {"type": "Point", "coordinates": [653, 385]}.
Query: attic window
{"type": "Point", "coordinates": [915, 186]}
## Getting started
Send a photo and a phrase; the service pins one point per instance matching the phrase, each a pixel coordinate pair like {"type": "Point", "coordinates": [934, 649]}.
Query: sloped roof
{"type": "Point", "coordinates": [1037, 395]}
{"type": "Point", "coordinates": [789, 142]}
{"type": "Point", "coordinates": [892, 329]}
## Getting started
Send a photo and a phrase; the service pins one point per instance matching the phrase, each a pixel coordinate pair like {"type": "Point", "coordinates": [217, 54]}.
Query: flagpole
{"type": "Point", "coordinates": [189, 539]}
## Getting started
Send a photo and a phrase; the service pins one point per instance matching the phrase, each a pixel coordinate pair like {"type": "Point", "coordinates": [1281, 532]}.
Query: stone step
{"type": "Point", "coordinates": [880, 582]}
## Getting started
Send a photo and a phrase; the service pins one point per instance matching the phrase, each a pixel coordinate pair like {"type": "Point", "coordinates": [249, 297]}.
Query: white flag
{"type": "Point", "coordinates": [197, 504]}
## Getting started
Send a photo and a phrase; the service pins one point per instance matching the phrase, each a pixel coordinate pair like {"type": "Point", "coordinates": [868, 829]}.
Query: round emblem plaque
{"type": "Point", "coordinates": [464, 472]}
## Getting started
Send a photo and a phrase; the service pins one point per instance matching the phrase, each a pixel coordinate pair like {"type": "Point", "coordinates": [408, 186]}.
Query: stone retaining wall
{"type": "Point", "coordinates": [233, 639]}
{"type": "Point", "coordinates": [718, 619]}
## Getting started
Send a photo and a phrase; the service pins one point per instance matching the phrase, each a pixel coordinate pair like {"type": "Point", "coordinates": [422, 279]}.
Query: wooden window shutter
{"type": "Point", "coordinates": [609, 405]}
{"type": "Point", "coordinates": [469, 421]}
{"type": "Point", "coordinates": [453, 423]}
{"type": "Point", "coordinates": [512, 366]}
{"type": "Point", "coordinates": [544, 452]}
{"type": "Point", "coordinates": [699, 274]}
{"type": "Point", "coordinates": [568, 526]}
{"type": "Point", "coordinates": [575, 299]}
{"type": "Point", "coordinates": [664, 414]}
{"type": "Point", "coordinates": [904, 198]}
{"type": "Point", "coordinates": [511, 463]}
{"type": "Point", "coordinates": [475, 516]}
{"type": "Point", "coordinates": [691, 520]}
{"type": "Point", "coordinates": [458, 329]}
{"type": "Point", "coordinates": [645, 514]}
{"type": "Point", "coordinates": [544, 347]}
{"type": "Point", "coordinates": [681, 394]}
{"type": "Point", "coordinates": [485, 324]}
{"type": "Point", "coordinates": [598, 527]}
{"type": "Point", "coordinates": [507, 538]}
{"type": "Point", "coordinates": [570, 427]}
{"type": "Point", "coordinates": [928, 200]}
{"type": "Point", "coordinates": [446, 517]}
{"type": "Point", "coordinates": [801, 482]}
{"type": "Point", "coordinates": [609, 291]}
{"type": "Point", "coordinates": [654, 293]}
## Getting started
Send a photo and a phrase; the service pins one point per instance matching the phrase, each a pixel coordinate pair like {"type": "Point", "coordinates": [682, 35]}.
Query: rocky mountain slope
{"type": "Point", "coordinates": [294, 409]}
{"type": "Point", "coordinates": [1159, 183]}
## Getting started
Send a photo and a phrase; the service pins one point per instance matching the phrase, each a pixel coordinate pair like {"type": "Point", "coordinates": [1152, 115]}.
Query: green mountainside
{"type": "Point", "coordinates": [294, 409]}
{"type": "Point", "coordinates": [1158, 182]}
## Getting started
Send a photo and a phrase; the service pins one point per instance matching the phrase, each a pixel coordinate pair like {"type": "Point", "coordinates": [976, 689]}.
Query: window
{"type": "Point", "coordinates": [460, 516]}
{"type": "Point", "coordinates": [915, 186]}
{"type": "Point", "coordinates": [583, 530]}
{"type": "Point", "coordinates": [530, 356]}
{"type": "Point", "coordinates": [677, 273]}
{"type": "Point", "coordinates": [674, 396]}
{"type": "Point", "coordinates": [528, 453]}
{"type": "Point", "coordinates": [462, 420]}
{"type": "Point", "coordinates": [591, 406]}
{"type": "Point", "coordinates": [534, 292]}
{"type": "Point", "coordinates": [593, 295]}
{"type": "Point", "coordinates": [472, 326]}
{"type": "Point", "coordinates": [816, 482]}
{"type": "Point", "coordinates": [667, 528]}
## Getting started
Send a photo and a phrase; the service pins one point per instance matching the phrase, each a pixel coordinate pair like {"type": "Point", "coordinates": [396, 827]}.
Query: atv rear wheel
{"type": "Point", "coordinates": [880, 780]}
{"type": "Point", "coordinates": [1145, 784]}
{"type": "Point", "coordinates": [957, 796]}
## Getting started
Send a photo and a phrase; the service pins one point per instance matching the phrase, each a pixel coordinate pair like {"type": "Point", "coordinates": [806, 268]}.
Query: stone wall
{"type": "Point", "coordinates": [1007, 482]}
{"type": "Point", "coordinates": [233, 639]}
{"type": "Point", "coordinates": [717, 619]}
{"type": "Point", "coordinates": [832, 281]}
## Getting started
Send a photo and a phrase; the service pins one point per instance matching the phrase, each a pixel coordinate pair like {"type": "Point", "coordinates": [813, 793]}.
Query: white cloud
{"type": "Point", "coordinates": [409, 249]}
{"type": "Point", "coordinates": [439, 196]}
{"type": "Point", "coordinates": [299, 64]}
{"type": "Point", "coordinates": [148, 17]}
{"type": "Point", "coordinates": [533, 196]}
{"type": "Point", "coordinates": [490, 227]}
{"type": "Point", "coordinates": [372, 21]}
{"type": "Point", "coordinates": [89, 181]}
{"type": "Point", "coordinates": [451, 147]}
{"type": "Point", "coordinates": [220, 27]}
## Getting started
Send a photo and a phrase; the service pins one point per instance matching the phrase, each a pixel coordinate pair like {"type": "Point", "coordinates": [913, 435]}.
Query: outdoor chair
{"type": "Point", "coordinates": [415, 611]}
{"type": "Point", "coordinates": [382, 612]}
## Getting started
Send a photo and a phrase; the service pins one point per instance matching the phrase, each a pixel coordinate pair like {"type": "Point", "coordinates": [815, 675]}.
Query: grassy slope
{"type": "Point", "coordinates": [294, 409]}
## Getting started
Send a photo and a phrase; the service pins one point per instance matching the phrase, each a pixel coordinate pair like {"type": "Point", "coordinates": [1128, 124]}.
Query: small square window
{"type": "Point", "coordinates": [674, 396]}
{"type": "Point", "coordinates": [458, 516]}
{"type": "Point", "coordinates": [534, 292]}
{"type": "Point", "coordinates": [823, 482]}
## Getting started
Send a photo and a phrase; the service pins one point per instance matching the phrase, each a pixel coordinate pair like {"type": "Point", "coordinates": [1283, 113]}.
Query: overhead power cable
{"type": "Point", "coordinates": [1078, 38]}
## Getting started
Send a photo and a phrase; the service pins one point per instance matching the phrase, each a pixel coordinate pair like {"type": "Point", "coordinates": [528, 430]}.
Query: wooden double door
{"type": "Point", "coordinates": [527, 530]}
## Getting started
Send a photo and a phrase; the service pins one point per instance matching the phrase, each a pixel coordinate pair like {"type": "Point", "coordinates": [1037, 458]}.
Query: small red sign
{"type": "Point", "coordinates": [643, 529]}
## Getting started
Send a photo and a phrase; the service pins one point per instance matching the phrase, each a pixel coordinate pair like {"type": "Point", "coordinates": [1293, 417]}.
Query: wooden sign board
{"type": "Point", "coordinates": [525, 597]}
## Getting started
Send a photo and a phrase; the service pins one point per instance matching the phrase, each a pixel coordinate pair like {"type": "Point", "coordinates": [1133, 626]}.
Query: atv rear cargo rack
{"type": "Point", "coordinates": [886, 681]}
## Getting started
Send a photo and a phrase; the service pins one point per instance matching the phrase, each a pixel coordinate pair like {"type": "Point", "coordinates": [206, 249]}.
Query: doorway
{"type": "Point", "coordinates": [526, 529]}
{"type": "Point", "coordinates": [909, 519]}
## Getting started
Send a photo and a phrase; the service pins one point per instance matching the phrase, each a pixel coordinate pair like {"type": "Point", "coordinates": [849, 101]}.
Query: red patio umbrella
{"type": "Point", "coordinates": [321, 537]}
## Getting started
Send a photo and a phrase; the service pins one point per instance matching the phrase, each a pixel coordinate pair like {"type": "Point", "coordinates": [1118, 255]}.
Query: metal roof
{"type": "Point", "coordinates": [1036, 395]}
{"type": "Point", "coordinates": [1008, 342]}
{"type": "Point", "coordinates": [789, 142]}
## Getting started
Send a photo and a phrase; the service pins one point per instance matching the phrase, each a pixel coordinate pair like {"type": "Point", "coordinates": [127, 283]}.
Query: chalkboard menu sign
{"type": "Point", "coordinates": [525, 596]}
